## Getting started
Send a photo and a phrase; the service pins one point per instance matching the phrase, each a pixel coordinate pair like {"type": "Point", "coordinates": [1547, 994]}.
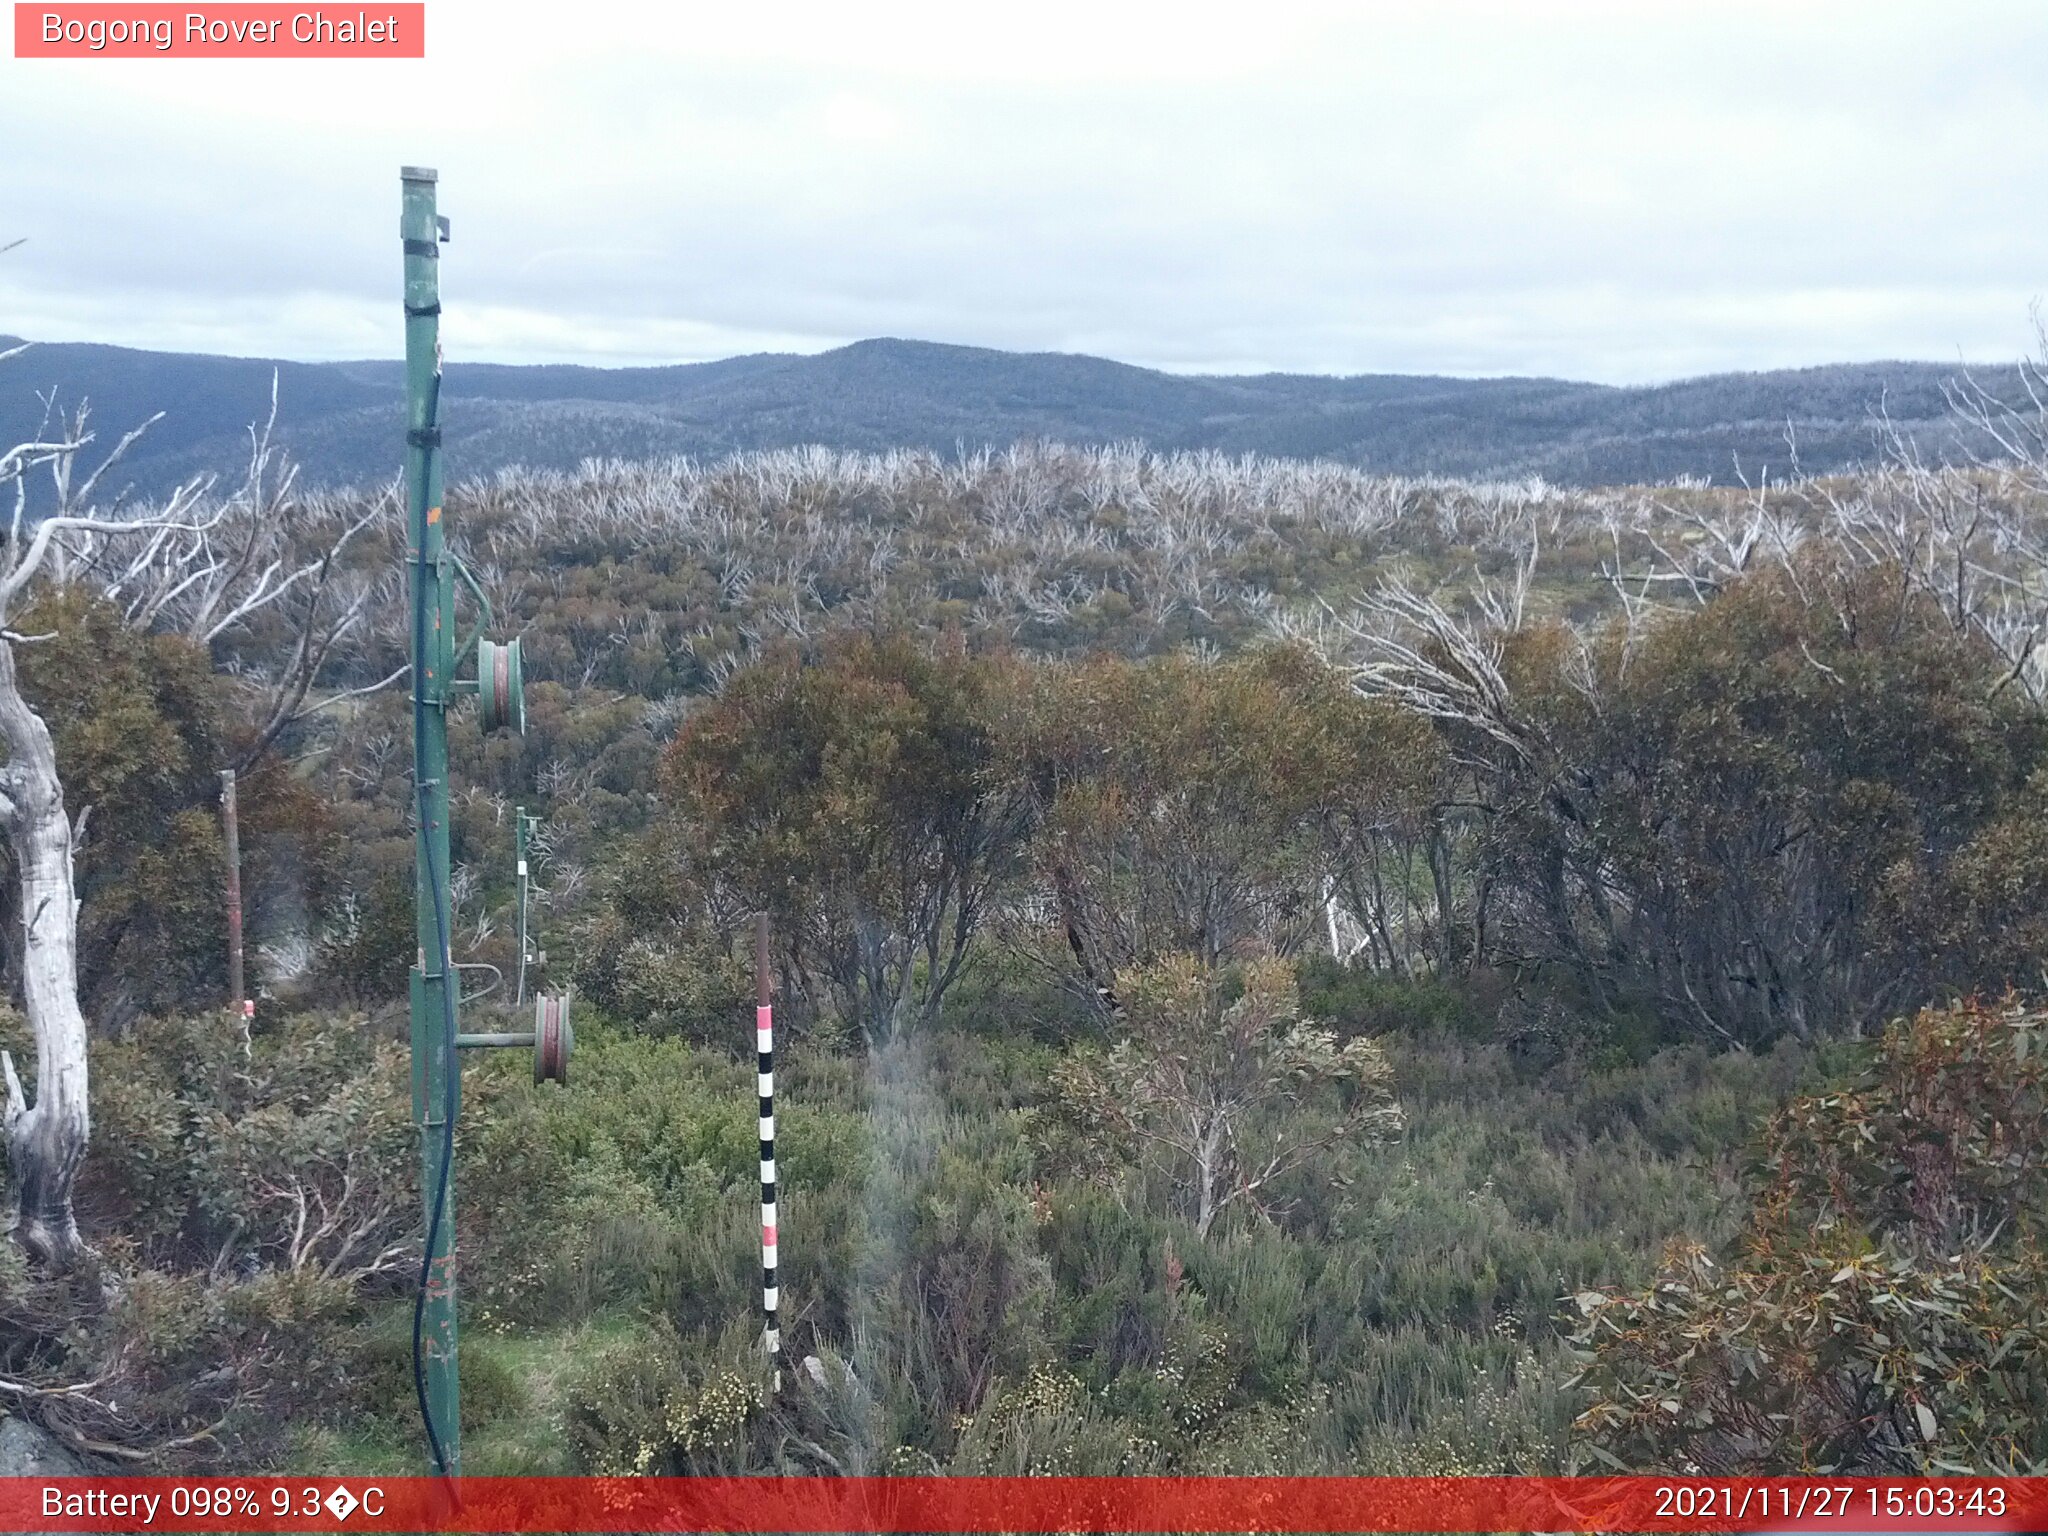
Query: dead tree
{"type": "Point", "coordinates": [46, 1140]}
{"type": "Point", "coordinates": [277, 562]}
{"type": "Point", "coordinates": [191, 557]}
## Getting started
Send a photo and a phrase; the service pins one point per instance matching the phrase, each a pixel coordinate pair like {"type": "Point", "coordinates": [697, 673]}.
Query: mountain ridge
{"type": "Point", "coordinates": [342, 420]}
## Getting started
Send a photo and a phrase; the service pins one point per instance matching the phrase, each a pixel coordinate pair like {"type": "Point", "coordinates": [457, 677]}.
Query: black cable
{"type": "Point", "coordinates": [421, 785]}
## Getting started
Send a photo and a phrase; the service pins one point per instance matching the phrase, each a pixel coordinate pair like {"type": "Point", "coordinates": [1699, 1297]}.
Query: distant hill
{"type": "Point", "coordinates": [344, 420]}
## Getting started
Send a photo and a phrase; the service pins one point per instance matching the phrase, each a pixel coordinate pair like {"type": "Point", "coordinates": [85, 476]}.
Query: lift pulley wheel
{"type": "Point", "coordinates": [501, 686]}
{"type": "Point", "coordinates": [553, 1039]}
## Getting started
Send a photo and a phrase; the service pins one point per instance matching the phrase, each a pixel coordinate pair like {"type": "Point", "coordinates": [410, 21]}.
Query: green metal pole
{"type": "Point", "coordinates": [436, 1068]}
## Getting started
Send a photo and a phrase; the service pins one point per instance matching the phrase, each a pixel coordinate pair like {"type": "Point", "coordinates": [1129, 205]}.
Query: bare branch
{"type": "Point", "coordinates": [353, 693]}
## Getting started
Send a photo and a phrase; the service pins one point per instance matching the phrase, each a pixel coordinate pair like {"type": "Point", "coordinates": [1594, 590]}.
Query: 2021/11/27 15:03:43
{"type": "Point", "coordinates": [1821, 1501]}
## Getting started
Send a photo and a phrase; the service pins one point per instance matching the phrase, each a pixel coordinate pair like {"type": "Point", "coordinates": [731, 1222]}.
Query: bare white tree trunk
{"type": "Point", "coordinates": [204, 569]}
{"type": "Point", "coordinates": [46, 1140]}
{"type": "Point", "coordinates": [1208, 1169]}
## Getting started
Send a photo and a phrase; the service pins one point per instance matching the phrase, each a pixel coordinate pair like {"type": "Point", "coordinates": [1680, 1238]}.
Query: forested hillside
{"type": "Point", "coordinates": [1281, 968]}
{"type": "Point", "coordinates": [338, 419]}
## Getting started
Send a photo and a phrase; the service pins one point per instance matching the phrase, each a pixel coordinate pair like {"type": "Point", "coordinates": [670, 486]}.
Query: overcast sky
{"type": "Point", "coordinates": [1600, 191]}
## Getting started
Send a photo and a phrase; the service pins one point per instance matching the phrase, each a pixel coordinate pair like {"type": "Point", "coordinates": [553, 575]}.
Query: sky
{"type": "Point", "coordinates": [1616, 192]}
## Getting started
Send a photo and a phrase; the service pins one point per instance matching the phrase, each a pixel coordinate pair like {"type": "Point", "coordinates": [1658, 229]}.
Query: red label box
{"type": "Point", "coordinates": [1110, 1506]}
{"type": "Point", "coordinates": [232, 31]}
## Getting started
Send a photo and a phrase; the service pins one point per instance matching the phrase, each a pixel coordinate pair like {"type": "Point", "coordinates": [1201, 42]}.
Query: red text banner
{"type": "Point", "coordinates": [971, 1504]}
{"type": "Point", "coordinates": [230, 31]}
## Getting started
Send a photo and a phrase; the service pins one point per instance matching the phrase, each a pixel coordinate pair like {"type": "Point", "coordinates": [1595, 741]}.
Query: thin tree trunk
{"type": "Point", "coordinates": [231, 829]}
{"type": "Point", "coordinates": [46, 1141]}
{"type": "Point", "coordinates": [1206, 1159]}
{"type": "Point", "coordinates": [1448, 960]}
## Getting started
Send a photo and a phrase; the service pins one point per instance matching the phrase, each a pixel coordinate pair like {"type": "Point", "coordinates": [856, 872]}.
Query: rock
{"type": "Point", "coordinates": [29, 1451]}
{"type": "Point", "coordinates": [816, 1370]}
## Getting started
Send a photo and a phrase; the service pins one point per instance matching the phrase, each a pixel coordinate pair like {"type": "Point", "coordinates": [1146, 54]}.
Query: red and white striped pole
{"type": "Point", "coordinates": [764, 1045]}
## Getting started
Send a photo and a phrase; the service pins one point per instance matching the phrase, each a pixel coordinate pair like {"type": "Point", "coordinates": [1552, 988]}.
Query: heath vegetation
{"type": "Point", "coordinates": [1283, 969]}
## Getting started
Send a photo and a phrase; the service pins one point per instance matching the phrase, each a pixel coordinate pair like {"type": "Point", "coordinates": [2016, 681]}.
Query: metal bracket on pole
{"type": "Point", "coordinates": [483, 608]}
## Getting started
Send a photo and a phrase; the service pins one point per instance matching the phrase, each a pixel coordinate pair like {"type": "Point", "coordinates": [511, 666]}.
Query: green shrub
{"type": "Point", "coordinates": [670, 984]}
{"type": "Point", "coordinates": [638, 1407]}
{"type": "Point", "coordinates": [1006, 996]}
{"type": "Point", "coordinates": [1883, 1312]}
{"type": "Point", "coordinates": [1768, 814]}
{"type": "Point", "coordinates": [246, 1210]}
{"type": "Point", "coordinates": [1357, 1000]}
{"type": "Point", "coordinates": [300, 1155]}
{"type": "Point", "coordinates": [1044, 1425]}
{"type": "Point", "coordinates": [379, 1380]}
{"type": "Point", "coordinates": [190, 1369]}
{"type": "Point", "coordinates": [367, 950]}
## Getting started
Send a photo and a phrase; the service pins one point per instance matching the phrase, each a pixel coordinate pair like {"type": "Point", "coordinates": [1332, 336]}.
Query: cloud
{"type": "Point", "coordinates": [1593, 190]}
